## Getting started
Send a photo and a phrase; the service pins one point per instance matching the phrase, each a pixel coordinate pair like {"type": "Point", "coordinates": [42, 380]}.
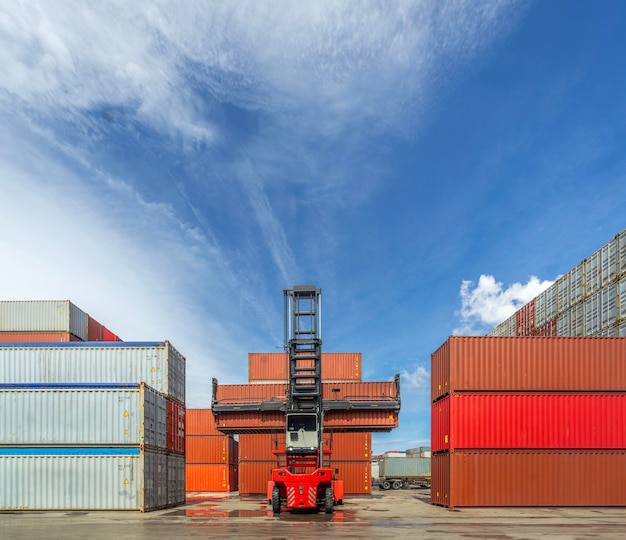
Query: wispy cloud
{"type": "Point", "coordinates": [489, 303]}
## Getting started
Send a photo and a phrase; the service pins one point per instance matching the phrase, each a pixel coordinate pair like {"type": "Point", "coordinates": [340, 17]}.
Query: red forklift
{"type": "Point", "coordinates": [303, 478]}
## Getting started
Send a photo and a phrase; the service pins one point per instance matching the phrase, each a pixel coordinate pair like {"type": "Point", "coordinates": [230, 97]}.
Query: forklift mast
{"type": "Point", "coordinates": [303, 343]}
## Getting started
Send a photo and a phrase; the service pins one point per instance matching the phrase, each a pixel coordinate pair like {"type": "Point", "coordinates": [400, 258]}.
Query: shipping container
{"type": "Point", "coordinates": [175, 479]}
{"type": "Point", "coordinates": [512, 421]}
{"type": "Point", "coordinates": [158, 364]}
{"type": "Point", "coordinates": [576, 281]}
{"type": "Point", "coordinates": [175, 426]}
{"type": "Point", "coordinates": [107, 335]}
{"type": "Point", "coordinates": [407, 468]}
{"type": "Point", "coordinates": [200, 422]}
{"type": "Point", "coordinates": [563, 294]}
{"type": "Point", "coordinates": [621, 313]}
{"type": "Point", "coordinates": [43, 414]}
{"type": "Point", "coordinates": [274, 367]}
{"type": "Point", "coordinates": [608, 261]}
{"type": "Point", "coordinates": [621, 259]}
{"type": "Point", "coordinates": [525, 319]}
{"type": "Point", "coordinates": [211, 449]}
{"type": "Point", "coordinates": [254, 475]}
{"type": "Point", "coordinates": [247, 422]}
{"type": "Point", "coordinates": [529, 478]}
{"type": "Point", "coordinates": [95, 331]}
{"type": "Point", "coordinates": [211, 477]}
{"type": "Point", "coordinates": [593, 273]}
{"type": "Point", "coordinates": [37, 337]}
{"type": "Point", "coordinates": [82, 479]}
{"type": "Point", "coordinates": [528, 364]}
{"type": "Point", "coordinates": [43, 316]}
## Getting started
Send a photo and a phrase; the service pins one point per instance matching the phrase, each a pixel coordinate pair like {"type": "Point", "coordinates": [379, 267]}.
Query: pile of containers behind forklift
{"type": "Point", "coordinates": [211, 456]}
{"type": "Point", "coordinates": [529, 421]}
{"type": "Point", "coordinates": [351, 452]}
{"type": "Point", "coordinates": [88, 425]}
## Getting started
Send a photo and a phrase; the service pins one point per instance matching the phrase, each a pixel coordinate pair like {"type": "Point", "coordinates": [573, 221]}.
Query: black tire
{"type": "Point", "coordinates": [385, 484]}
{"type": "Point", "coordinates": [397, 484]}
{"type": "Point", "coordinates": [276, 500]}
{"type": "Point", "coordinates": [329, 500]}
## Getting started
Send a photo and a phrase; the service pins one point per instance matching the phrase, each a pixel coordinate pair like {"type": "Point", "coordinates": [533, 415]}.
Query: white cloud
{"type": "Point", "coordinates": [489, 303]}
{"type": "Point", "coordinates": [418, 379]}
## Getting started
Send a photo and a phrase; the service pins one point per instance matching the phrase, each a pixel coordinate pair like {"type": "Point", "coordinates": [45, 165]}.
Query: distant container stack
{"type": "Point", "coordinates": [211, 456]}
{"type": "Point", "coordinates": [526, 421]}
{"type": "Point", "coordinates": [87, 425]}
{"type": "Point", "coordinates": [589, 300]}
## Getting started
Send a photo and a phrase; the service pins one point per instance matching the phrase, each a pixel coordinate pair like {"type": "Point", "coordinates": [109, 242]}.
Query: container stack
{"type": "Point", "coordinates": [268, 375]}
{"type": "Point", "coordinates": [526, 421]}
{"type": "Point", "coordinates": [88, 425]}
{"type": "Point", "coordinates": [589, 300]}
{"type": "Point", "coordinates": [211, 455]}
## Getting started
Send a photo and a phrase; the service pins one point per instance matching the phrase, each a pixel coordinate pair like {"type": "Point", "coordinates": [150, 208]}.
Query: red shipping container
{"type": "Point", "coordinates": [254, 475]}
{"type": "Point", "coordinates": [37, 337]}
{"type": "Point", "coordinates": [274, 367]}
{"type": "Point", "coordinates": [94, 330]}
{"type": "Point", "coordinates": [356, 476]}
{"type": "Point", "coordinates": [529, 478]}
{"type": "Point", "coordinates": [525, 319]}
{"type": "Point", "coordinates": [200, 422]}
{"type": "Point", "coordinates": [527, 364]}
{"type": "Point", "coordinates": [175, 426]}
{"type": "Point", "coordinates": [546, 330]}
{"type": "Point", "coordinates": [211, 477]}
{"type": "Point", "coordinates": [107, 335]}
{"type": "Point", "coordinates": [210, 449]}
{"type": "Point", "coordinates": [512, 421]}
{"type": "Point", "coordinates": [372, 420]}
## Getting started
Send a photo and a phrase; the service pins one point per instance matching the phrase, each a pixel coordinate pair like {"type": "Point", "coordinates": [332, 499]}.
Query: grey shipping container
{"type": "Point", "coordinates": [405, 467]}
{"type": "Point", "coordinates": [175, 479]}
{"type": "Point", "coordinates": [73, 415]}
{"type": "Point", "coordinates": [158, 364]}
{"type": "Point", "coordinates": [43, 316]}
{"type": "Point", "coordinates": [83, 479]}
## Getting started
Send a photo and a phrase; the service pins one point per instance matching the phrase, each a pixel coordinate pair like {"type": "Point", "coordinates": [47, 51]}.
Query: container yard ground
{"type": "Point", "coordinates": [390, 514]}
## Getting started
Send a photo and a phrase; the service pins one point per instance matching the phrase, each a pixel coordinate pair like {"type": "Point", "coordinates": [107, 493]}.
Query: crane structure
{"type": "Point", "coordinates": [303, 479]}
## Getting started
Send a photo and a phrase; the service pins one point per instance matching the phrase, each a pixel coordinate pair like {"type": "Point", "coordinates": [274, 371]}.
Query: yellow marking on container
{"type": "Point", "coordinates": [125, 480]}
{"type": "Point", "coordinates": [125, 413]}
{"type": "Point", "coordinates": [445, 438]}
{"type": "Point", "coordinates": [153, 370]}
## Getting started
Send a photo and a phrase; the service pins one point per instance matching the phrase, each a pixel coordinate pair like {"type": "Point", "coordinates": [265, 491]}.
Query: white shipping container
{"type": "Point", "coordinates": [621, 249]}
{"type": "Point", "coordinates": [593, 273]}
{"type": "Point", "coordinates": [510, 326]}
{"type": "Point", "coordinates": [43, 316]}
{"type": "Point", "coordinates": [621, 310]}
{"type": "Point", "coordinates": [82, 479]}
{"type": "Point", "coordinates": [175, 479]}
{"type": "Point", "coordinates": [550, 307]}
{"type": "Point", "coordinates": [73, 416]}
{"type": "Point", "coordinates": [608, 261]}
{"type": "Point", "coordinates": [540, 309]}
{"type": "Point", "coordinates": [158, 364]}
{"type": "Point", "coordinates": [608, 306]}
{"type": "Point", "coordinates": [576, 284]}
{"type": "Point", "coordinates": [622, 330]}
{"type": "Point", "coordinates": [563, 294]}
{"type": "Point", "coordinates": [592, 315]}
{"type": "Point", "coordinates": [563, 327]}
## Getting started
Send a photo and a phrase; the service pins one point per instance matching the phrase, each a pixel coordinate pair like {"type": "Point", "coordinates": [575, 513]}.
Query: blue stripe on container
{"type": "Point", "coordinates": [69, 451]}
{"type": "Point", "coordinates": [24, 386]}
{"type": "Point", "coordinates": [79, 344]}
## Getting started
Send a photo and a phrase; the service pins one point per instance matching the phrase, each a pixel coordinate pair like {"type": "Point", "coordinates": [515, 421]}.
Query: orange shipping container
{"type": "Point", "coordinates": [579, 364]}
{"type": "Point", "coordinates": [274, 367]}
{"type": "Point", "coordinates": [200, 422]}
{"type": "Point", "coordinates": [211, 449]}
{"type": "Point", "coordinates": [211, 477]}
{"type": "Point", "coordinates": [254, 475]}
{"type": "Point", "coordinates": [37, 337]}
{"type": "Point", "coordinates": [529, 478]}
{"type": "Point", "coordinates": [356, 476]}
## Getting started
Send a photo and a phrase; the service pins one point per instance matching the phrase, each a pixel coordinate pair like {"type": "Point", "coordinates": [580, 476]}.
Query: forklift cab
{"type": "Point", "coordinates": [302, 435]}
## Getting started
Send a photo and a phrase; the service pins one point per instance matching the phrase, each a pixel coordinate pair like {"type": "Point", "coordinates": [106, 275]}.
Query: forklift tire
{"type": "Point", "coordinates": [276, 500]}
{"type": "Point", "coordinates": [329, 500]}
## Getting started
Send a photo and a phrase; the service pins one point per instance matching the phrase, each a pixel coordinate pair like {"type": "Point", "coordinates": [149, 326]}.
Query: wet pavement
{"type": "Point", "coordinates": [388, 514]}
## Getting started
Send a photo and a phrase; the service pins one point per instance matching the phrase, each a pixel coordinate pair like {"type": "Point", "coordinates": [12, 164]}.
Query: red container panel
{"type": "Point", "coordinates": [210, 478]}
{"type": "Point", "coordinates": [515, 421]}
{"type": "Point", "coordinates": [210, 449]}
{"type": "Point", "coordinates": [94, 330]}
{"type": "Point", "coordinates": [527, 364]}
{"type": "Point", "coordinates": [254, 475]}
{"type": "Point", "coordinates": [107, 335]}
{"type": "Point", "coordinates": [525, 319]}
{"type": "Point", "coordinates": [200, 422]}
{"type": "Point", "coordinates": [175, 426]}
{"type": "Point", "coordinates": [356, 476]}
{"type": "Point", "coordinates": [37, 337]}
{"type": "Point", "coordinates": [274, 367]}
{"type": "Point", "coordinates": [529, 478]}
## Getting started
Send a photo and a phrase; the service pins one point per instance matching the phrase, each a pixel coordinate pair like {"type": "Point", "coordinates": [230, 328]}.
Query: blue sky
{"type": "Point", "coordinates": [171, 168]}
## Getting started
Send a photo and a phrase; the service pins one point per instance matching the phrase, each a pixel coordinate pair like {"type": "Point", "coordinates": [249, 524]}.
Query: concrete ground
{"type": "Point", "coordinates": [385, 514]}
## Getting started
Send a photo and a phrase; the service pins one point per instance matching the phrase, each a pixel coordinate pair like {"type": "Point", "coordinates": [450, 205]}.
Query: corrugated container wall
{"type": "Point", "coordinates": [159, 364]}
{"type": "Point", "coordinates": [82, 479]}
{"type": "Point", "coordinates": [37, 337]}
{"type": "Point", "coordinates": [175, 479]}
{"type": "Point", "coordinates": [211, 477]}
{"type": "Point", "coordinates": [175, 426]}
{"type": "Point", "coordinates": [43, 316]}
{"type": "Point", "coordinates": [274, 367]}
{"type": "Point", "coordinates": [403, 467]}
{"type": "Point", "coordinates": [530, 421]}
{"type": "Point", "coordinates": [528, 364]}
{"type": "Point", "coordinates": [73, 415]}
{"type": "Point", "coordinates": [201, 422]}
{"type": "Point", "coordinates": [211, 449]}
{"type": "Point", "coordinates": [529, 478]}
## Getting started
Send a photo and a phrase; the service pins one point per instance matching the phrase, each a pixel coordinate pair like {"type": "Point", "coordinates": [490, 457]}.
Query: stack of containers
{"type": "Point", "coordinates": [351, 452]}
{"type": "Point", "coordinates": [88, 422]}
{"type": "Point", "coordinates": [526, 421]}
{"type": "Point", "coordinates": [44, 321]}
{"type": "Point", "coordinates": [211, 455]}
{"type": "Point", "coordinates": [589, 300]}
